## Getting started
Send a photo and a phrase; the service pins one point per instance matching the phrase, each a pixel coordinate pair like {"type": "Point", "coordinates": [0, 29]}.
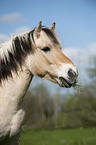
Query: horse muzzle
{"type": "Point", "coordinates": [71, 80]}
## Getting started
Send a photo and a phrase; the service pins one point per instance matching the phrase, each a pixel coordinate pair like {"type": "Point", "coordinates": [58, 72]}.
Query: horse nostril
{"type": "Point", "coordinates": [71, 73]}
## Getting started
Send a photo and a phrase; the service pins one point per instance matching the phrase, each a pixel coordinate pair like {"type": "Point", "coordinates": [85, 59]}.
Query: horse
{"type": "Point", "coordinates": [37, 52]}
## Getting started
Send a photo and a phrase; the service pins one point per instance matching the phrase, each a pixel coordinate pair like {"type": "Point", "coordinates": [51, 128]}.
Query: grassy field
{"type": "Point", "coordinates": [59, 137]}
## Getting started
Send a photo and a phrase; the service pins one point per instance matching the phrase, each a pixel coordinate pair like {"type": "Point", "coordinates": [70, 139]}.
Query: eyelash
{"type": "Point", "coordinates": [46, 49]}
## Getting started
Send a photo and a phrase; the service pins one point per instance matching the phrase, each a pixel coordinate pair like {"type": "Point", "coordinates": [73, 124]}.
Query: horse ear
{"type": "Point", "coordinates": [38, 29]}
{"type": "Point", "coordinates": [52, 27]}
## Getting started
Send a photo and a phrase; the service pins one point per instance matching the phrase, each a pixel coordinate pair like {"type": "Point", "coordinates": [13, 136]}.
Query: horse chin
{"type": "Point", "coordinates": [60, 81]}
{"type": "Point", "coordinates": [49, 78]}
{"type": "Point", "coordinates": [63, 82]}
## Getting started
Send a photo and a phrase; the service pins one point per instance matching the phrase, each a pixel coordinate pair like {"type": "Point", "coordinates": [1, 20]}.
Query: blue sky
{"type": "Point", "coordinates": [75, 19]}
{"type": "Point", "coordinates": [75, 26]}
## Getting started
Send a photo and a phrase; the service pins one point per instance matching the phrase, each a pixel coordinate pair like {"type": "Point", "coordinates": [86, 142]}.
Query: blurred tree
{"type": "Point", "coordinates": [92, 71]}
{"type": "Point", "coordinates": [39, 106]}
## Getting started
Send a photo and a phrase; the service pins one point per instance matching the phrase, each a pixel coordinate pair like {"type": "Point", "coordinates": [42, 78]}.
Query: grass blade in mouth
{"type": "Point", "coordinates": [78, 87]}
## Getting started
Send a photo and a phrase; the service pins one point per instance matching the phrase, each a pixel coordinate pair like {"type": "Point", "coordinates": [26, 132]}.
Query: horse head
{"type": "Point", "coordinates": [48, 60]}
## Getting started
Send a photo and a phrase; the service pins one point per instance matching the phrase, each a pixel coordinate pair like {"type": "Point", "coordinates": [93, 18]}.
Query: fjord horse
{"type": "Point", "coordinates": [37, 52]}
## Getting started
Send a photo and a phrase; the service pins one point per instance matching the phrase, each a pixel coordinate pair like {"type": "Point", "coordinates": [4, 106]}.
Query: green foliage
{"type": "Point", "coordinates": [59, 137]}
{"type": "Point", "coordinates": [78, 110]}
{"type": "Point", "coordinates": [92, 71]}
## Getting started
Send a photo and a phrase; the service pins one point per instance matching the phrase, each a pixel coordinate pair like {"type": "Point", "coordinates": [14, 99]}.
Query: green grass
{"type": "Point", "coordinates": [59, 137]}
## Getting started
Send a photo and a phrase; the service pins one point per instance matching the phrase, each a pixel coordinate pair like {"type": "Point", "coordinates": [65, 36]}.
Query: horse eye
{"type": "Point", "coordinates": [46, 49]}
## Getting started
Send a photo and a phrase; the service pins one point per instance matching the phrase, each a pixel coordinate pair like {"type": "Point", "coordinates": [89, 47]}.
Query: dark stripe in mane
{"type": "Point", "coordinates": [21, 46]}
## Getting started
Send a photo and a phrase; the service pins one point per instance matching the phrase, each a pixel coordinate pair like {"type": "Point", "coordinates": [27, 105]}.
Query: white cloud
{"type": "Point", "coordinates": [23, 29]}
{"type": "Point", "coordinates": [3, 37]}
{"type": "Point", "coordinates": [92, 49]}
{"type": "Point", "coordinates": [11, 18]}
{"type": "Point", "coordinates": [83, 59]}
{"type": "Point", "coordinates": [81, 55]}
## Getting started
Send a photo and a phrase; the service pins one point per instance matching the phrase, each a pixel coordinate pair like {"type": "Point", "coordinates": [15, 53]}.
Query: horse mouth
{"type": "Point", "coordinates": [64, 83]}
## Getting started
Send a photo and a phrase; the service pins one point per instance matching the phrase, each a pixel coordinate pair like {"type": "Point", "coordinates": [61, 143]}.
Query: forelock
{"type": "Point", "coordinates": [52, 36]}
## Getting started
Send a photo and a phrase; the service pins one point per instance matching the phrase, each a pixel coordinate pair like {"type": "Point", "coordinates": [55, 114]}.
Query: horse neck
{"type": "Point", "coordinates": [14, 88]}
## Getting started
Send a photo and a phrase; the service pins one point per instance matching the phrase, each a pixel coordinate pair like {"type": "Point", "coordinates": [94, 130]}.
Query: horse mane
{"type": "Point", "coordinates": [13, 54]}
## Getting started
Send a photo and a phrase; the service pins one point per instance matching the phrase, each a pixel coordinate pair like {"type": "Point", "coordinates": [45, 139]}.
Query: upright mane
{"type": "Point", "coordinates": [13, 55]}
